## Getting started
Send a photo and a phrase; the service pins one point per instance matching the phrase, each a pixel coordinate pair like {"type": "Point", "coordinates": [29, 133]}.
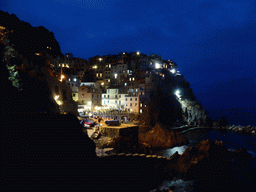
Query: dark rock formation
{"type": "Point", "coordinates": [20, 44]}
{"type": "Point", "coordinates": [50, 151]}
{"type": "Point", "coordinates": [47, 151]}
{"type": "Point", "coordinates": [241, 154]}
{"type": "Point", "coordinates": [159, 138]}
{"type": "Point", "coordinates": [209, 164]}
{"type": "Point", "coordinates": [29, 40]}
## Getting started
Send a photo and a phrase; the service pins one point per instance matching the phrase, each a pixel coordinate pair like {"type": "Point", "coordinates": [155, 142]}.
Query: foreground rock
{"type": "Point", "coordinates": [208, 163]}
{"type": "Point", "coordinates": [160, 138]}
{"type": "Point", "coordinates": [50, 151]}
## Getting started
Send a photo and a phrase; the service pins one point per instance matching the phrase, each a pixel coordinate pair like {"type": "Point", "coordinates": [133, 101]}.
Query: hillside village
{"type": "Point", "coordinates": [127, 82]}
{"type": "Point", "coordinates": [115, 82]}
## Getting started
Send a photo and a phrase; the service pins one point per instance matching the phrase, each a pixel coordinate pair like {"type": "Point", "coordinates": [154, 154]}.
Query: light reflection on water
{"type": "Point", "coordinates": [169, 152]}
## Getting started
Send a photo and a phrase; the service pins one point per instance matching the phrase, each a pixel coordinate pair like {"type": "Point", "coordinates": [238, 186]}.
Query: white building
{"type": "Point", "coordinates": [114, 98]}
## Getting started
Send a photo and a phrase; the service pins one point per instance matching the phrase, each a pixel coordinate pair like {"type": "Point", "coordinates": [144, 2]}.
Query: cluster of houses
{"type": "Point", "coordinates": [112, 82]}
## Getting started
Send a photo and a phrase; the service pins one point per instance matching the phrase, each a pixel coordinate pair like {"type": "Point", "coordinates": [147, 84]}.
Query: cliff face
{"type": "Point", "coordinates": [173, 103]}
{"type": "Point", "coordinates": [25, 51]}
{"type": "Point", "coordinates": [29, 40]}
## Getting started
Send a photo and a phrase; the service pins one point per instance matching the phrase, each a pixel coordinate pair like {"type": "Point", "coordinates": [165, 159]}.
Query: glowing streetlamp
{"type": "Point", "coordinates": [157, 65]}
{"type": "Point", "coordinates": [177, 93]}
{"type": "Point", "coordinates": [173, 71]}
{"type": "Point", "coordinates": [138, 53]}
{"type": "Point", "coordinates": [56, 97]}
{"type": "Point", "coordinates": [62, 77]}
{"type": "Point", "coordinates": [115, 75]}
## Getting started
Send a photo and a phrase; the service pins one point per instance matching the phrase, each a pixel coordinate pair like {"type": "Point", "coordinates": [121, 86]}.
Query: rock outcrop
{"type": "Point", "coordinates": [159, 138]}
{"type": "Point", "coordinates": [26, 50]}
{"type": "Point", "coordinates": [208, 163]}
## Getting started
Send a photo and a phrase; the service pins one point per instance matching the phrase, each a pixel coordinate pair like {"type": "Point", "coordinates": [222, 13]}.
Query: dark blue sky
{"type": "Point", "coordinates": [212, 41]}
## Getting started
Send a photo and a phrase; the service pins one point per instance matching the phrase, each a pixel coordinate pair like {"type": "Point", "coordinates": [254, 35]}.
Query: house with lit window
{"type": "Point", "coordinates": [131, 103]}
{"type": "Point", "coordinates": [114, 97]}
{"type": "Point", "coordinates": [89, 97]}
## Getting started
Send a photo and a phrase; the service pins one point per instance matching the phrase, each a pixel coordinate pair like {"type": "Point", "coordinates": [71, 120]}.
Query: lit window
{"type": "Point", "coordinates": [133, 78]}
{"type": "Point", "coordinates": [130, 79]}
{"type": "Point", "coordinates": [141, 105]}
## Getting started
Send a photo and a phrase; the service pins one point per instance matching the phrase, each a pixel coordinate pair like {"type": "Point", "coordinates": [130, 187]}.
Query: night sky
{"type": "Point", "coordinates": [212, 41]}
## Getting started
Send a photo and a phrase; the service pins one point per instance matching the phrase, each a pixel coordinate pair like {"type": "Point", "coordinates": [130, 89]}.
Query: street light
{"type": "Point", "coordinates": [177, 93]}
{"type": "Point", "coordinates": [62, 77]}
{"type": "Point", "coordinates": [157, 65]}
{"type": "Point", "coordinates": [172, 71]}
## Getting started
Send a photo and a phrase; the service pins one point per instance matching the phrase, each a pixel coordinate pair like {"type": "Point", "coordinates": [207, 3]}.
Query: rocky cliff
{"type": "Point", "coordinates": [25, 54]}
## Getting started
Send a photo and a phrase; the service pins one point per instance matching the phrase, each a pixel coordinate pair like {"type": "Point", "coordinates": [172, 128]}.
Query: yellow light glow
{"type": "Point", "coordinates": [102, 83]}
{"type": "Point", "coordinates": [100, 59]}
{"type": "Point", "coordinates": [56, 97]}
{"type": "Point", "coordinates": [137, 52]}
{"type": "Point", "coordinates": [157, 65]}
{"type": "Point", "coordinates": [97, 108]}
